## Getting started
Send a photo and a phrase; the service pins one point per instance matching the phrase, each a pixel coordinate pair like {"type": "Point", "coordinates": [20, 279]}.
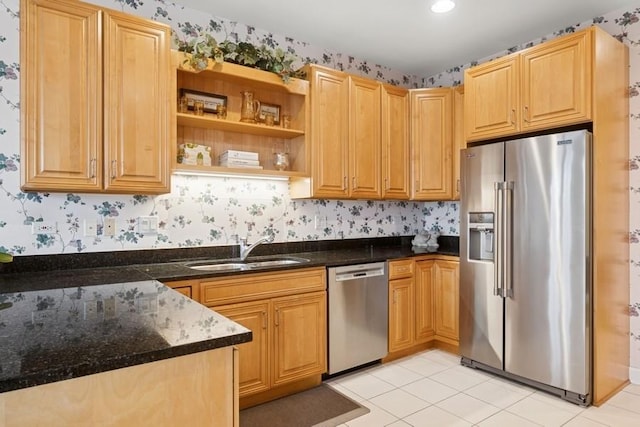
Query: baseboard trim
{"type": "Point", "coordinates": [634, 375]}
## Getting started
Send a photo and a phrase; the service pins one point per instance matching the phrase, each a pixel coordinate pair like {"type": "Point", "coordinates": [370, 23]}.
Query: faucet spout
{"type": "Point", "coordinates": [245, 248]}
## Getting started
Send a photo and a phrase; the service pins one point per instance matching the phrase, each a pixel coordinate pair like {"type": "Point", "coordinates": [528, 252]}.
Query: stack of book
{"type": "Point", "coordinates": [239, 159]}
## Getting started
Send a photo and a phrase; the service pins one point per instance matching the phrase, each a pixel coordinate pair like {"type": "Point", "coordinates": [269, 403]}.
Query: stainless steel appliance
{"type": "Point", "coordinates": [358, 315]}
{"type": "Point", "coordinates": [525, 272]}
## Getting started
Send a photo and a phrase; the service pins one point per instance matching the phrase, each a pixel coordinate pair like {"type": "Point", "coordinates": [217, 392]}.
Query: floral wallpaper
{"type": "Point", "coordinates": [200, 210]}
{"type": "Point", "coordinates": [210, 211]}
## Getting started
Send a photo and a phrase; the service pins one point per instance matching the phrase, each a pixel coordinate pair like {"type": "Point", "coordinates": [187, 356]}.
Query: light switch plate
{"type": "Point", "coordinates": [148, 225]}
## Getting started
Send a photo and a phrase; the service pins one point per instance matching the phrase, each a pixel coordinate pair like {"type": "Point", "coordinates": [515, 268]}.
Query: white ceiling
{"type": "Point", "coordinates": [404, 34]}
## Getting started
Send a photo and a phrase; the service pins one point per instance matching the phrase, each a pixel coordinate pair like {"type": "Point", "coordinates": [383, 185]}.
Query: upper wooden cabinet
{"type": "Point", "coordinates": [95, 101]}
{"type": "Point", "coordinates": [395, 143]}
{"type": "Point", "coordinates": [459, 143]}
{"type": "Point", "coordinates": [364, 138]}
{"type": "Point", "coordinates": [431, 143]}
{"type": "Point", "coordinates": [543, 87]}
{"type": "Point", "coordinates": [329, 136]}
{"type": "Point", "coordinates": [345, 137]}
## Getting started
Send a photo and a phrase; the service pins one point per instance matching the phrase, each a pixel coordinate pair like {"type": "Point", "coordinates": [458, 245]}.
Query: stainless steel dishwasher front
{"type": "Point", "coordinates": [358, 315]}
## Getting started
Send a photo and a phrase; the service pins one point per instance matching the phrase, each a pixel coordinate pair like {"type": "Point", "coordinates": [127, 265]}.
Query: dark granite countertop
{"type": "Point", "coordinates": [57, 334]}
{"type": "Point", "coordinates": [49, 330]}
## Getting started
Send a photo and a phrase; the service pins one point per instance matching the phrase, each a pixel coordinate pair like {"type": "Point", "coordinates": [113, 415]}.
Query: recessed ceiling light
{"type": "Point", "coordinates": [442, 6]}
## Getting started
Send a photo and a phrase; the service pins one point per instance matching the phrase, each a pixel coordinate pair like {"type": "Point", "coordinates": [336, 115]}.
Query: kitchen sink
{"type": "Point", "coordinates": [226, 266]}
{"type": "Point", "coordinates": [249, 264]}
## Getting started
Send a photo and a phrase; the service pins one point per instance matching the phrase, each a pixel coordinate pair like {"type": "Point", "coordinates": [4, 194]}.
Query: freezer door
{"type": "Point", "coordinates": [481, 310]}
{"type": "Point", "coordinates": [547, 314]}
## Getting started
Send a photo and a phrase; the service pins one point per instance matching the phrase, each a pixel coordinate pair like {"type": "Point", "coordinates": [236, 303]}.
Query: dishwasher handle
{"type": "Point", "coordinates": [359, 274]}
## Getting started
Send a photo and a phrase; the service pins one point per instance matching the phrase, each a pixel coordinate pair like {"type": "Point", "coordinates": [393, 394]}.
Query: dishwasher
{"type": "Point", "coordinates": [358, 311]}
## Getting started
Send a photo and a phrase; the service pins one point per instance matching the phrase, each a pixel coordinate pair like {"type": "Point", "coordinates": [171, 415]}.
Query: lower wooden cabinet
{"type": "Point", "coordinates": [423, 302]}
{"type": "Point", "coordinates": [189, 288]}
{"type": "Point", "coordinates": [286, 311]}
{"type": "Point", "coordinates": [289, 336]}
{"type": "Point", "coordinates": [198, 389]}
{"type": "Point", "coordinates": [401, 314]}
{"type": "Point", "coordinates": [255, 360]}
{"type": "Point", "coordinates": [446, 296]}
{"type": "Point", "coordinates": [300, 336]}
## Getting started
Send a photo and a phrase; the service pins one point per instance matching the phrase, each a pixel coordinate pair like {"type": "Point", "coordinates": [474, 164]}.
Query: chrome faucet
{"type": "Point", "coordinates": [245, 248]}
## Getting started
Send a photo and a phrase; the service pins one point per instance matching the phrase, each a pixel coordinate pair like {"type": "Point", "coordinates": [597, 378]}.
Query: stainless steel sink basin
{"type": "Point", "coordinates": [257, 264]}
{"type": "Point", "coordinates": [219, 267]}
{"type": "Point", "coordinates": [249, 264]}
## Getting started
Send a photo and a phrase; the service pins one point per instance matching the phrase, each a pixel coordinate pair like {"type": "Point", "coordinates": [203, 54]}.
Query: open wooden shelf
{"type": "Point", "coordinates": [213, 122]}
{"type": "Point", "coordinates": [221, 170]}
{"type": "Point", "coordinates": [245, 75]}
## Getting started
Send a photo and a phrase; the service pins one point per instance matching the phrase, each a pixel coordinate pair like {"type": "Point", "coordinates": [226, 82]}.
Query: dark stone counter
{"type": "Point", "coordinates": [59, 321]}
{"type": "Point", "coordinates": [63, 333]}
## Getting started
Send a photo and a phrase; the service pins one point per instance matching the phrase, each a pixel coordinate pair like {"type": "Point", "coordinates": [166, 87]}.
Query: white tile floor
{"type": "Point", "coordinates": [432, 389]}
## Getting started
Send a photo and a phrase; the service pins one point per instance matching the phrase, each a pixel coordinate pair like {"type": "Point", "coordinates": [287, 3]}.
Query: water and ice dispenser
{"type": "Point", "coordinates": [481, 236]}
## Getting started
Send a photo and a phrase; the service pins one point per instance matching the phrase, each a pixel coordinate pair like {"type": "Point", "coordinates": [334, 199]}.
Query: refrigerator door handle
{"type": "Point", "coordinates": [507, 290]}
{"type": "Point", "coordinates": [498, 254]}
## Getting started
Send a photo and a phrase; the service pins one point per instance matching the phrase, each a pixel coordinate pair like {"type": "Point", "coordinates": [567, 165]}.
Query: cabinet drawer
{"type": "Point", "coordinates": [185, 287]}
{"type": "Point", "coordinates": [401, 268]}
{"type": "Point", "coordinates": [250, 287]}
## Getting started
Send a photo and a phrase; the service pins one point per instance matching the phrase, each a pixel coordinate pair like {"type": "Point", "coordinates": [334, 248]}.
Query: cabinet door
{"type": "Point", "coordinates": [556, 83]}
{"type": "Point", "coordinates": [395, 143]}
{"type": "Point", "coordinates": [424, 284]}
{"type": "Point", "coordinates": [61, 113]}
{"type": "Point", "coordinates": [364, 138]}
{"type": "Point", "coordinates": [254, 355]}
{"type": "Point", "coordinates": [431, 143]}
{"type": "Point", "coordinates": [401, 314]}
{"type": "Point", "coordinates": [459, 142]}
{"type": "Point", "coordinates": [447, 299]}
{"type": "Point", "coordinates": [300, 336]}
{"type": "Point", "coordinates": [329, 133]}
{"type": "Point", "coordinates": [491, 102]}
{"type": "Point", "coordinates": [137, 104]}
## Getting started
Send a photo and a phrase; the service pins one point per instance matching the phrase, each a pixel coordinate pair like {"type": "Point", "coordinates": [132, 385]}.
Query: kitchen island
{"type": "Point", "coordinates": [126, 353]}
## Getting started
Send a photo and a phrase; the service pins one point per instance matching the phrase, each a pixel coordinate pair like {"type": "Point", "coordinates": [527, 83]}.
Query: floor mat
{"type": "Point", "coordinates": [320, 406]}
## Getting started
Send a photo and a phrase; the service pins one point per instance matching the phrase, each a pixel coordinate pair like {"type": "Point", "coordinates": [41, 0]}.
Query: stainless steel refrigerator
{"type": "Point", "coordinates": [525, 273]}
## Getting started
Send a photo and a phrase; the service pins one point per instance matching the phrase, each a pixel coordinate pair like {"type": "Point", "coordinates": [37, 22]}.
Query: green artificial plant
{"type": "Point", "coordinates": [204, 47]}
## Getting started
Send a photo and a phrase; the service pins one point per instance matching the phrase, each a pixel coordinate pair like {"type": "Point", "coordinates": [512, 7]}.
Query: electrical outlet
{"type": "Point", "coordinates": [109, 226]}
{"type": "Point", "coordinates": [109, 308]}
{"type": "Point", "coordinates": [44, 227]}
{"type": "Point", "coordinates": [90, 310]}
{"type": "Point", "coordinates": [90, 227]}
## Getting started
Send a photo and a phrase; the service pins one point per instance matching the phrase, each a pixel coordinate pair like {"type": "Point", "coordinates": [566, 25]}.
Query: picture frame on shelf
{"type": "Point", "coordinates": [211, 100]}
{"type": "Point", "coordinates": [273, 109]}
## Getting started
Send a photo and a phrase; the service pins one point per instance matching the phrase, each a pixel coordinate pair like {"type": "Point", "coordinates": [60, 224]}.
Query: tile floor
{"type": "Point", "coordinates": [432, 389]}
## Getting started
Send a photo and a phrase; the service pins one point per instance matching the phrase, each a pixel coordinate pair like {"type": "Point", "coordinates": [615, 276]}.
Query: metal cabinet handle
{"type": "Point", "coordinates": [513, 116]}
{"type": "Point", "coordinates": [525, 114]}
{"type": "Point", "coordinates": [344, 182]}
{"type": "Point", "coordinates": [386, 183]}
{"type": "Point", "coordinates": [114, 169]}
{"type": "Point", "coordinates": [355, 183]}
{"type": "Point", "coordinates": [277, 319]}
{"type": "Point", "coordinates": [92, 168]}
{"type": "Point", "coordinates": [264, 320]}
